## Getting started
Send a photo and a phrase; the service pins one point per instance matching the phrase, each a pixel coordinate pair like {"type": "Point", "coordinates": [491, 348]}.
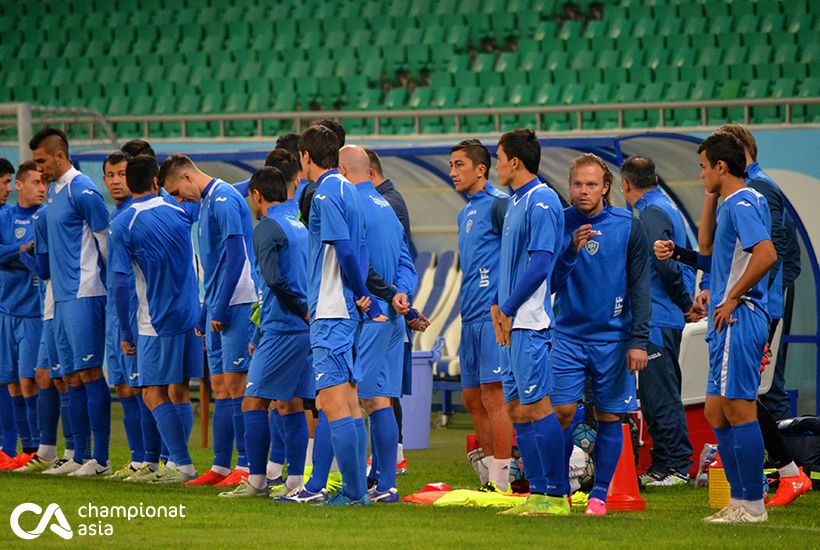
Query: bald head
{"type": "Point", "coordinates": [354, 163]}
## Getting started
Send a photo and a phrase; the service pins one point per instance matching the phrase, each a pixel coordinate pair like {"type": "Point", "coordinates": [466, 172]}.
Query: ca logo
{"type": "Point", "coordinates": [60, 527]}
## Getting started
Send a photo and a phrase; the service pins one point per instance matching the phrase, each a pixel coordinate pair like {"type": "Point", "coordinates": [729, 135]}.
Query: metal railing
{"type": "Point", "coordinates": [302, 119]}
{"type": "Point", "coordinates": [21, 116]}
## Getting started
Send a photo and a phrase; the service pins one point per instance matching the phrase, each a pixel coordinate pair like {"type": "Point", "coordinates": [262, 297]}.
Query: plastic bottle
{"type": "Point", "coordinates": [707, 456]}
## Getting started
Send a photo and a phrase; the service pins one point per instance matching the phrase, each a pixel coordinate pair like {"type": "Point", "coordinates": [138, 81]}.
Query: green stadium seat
{"type": "Point", "coordinates": [582, 60]}
{"type": "Point", "coordinates": [595, 29]}
{"type": "Point", "coordinates": [785, 53]}
{"type": "Point", "coordinates": [771, 22]}
{"type": "Point", "coordinates": [608, 59]}
{"type": "Point", "coordinates": [420, 98]}
{"type": "Point", "coordinates": [507, 61]}
{"type": "Point", "coordinates": [810, 87]}
{"type": "Point", "coordinates": [465, 78]}
{"type": "Point", "coordinates": [632, 58]}
{"type": "Point", "coordinates": [555, 60]}
{"type": "Point", "coordinates": [590, 76]}
{"type": "Point", "coordinates": [483, 62]}
{"type": "Point", "coordinates": [795, 70]}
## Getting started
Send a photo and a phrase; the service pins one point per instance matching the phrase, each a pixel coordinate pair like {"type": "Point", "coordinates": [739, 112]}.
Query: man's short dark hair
{"type": "Point", "coordinates": [476, 152]}
{"type": "Point", "coordinates": [726, 147]}
{"type": "Point", "coordinates": [522, 144]}
{"type": "Point", "coordinates": [138, 147]}
{"type": "Point", "coordinates": [375, 161]}
{"type": "Point", "coordinates": [322, 145]}
{"type": "Point", "coordinates": [48, 132]}
{"type": "Point", "coordinates": [336, 127]}
{"type": "Point", "coordinates": [140, 173]}
{"type": "Point", "coordinates": [288, 141]}
{"type": "Point", "coordinates": [270, 183]}
{"type": "Point", "coordinates": [171, 165]}
{"type": "Point", "coordinates": [24, 169]}
{"type": "Point", "coordinates": [639, 172]}
{"type": "Point", "coordinates": [116, 157]}
{"type": "Point", "coordinates": [743, 135]}
{"type": "Point", "coordinates": [6, 167]}
{"type": "Point", "coordinates": [284, 161]}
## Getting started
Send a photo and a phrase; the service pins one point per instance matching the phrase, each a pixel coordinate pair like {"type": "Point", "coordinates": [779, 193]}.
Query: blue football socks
{"type": "Point", "coordinates": [726, 447]}
{"type": "Point", "coordinates": [385, 432]}
{"type": "Point", "coordinates": [170, 427]}
{"type": "Point", "coordinates": [346, 448]}
{"type": "Point", "coordinates": [608, 445]}
{"type": "Point", "coordinates": [9, 425]}
{"type": "Point", "coordinates": [223, 433]}
{"type": "Point", "coordinates": [322, 455]}
{"type": "Point", "coordinates": [550, 440]}
{"type": "Point", "coordinates": [33, 423]}
{"type": "Point", "coordinates": [21, 421]}
{"type": "Point", "coordinates": [151, 439]}
{"type": "Point", "coordinates": [185, 411]}
{"type": "Point", "coordinates": [78, 405]}
{"type": "Point", "coordinates": [527, 440]}
{"type": "Point", "coordinates": [65, 419]}
{"type": "Point", "coordinates": [132, 422]}
{"type": "Point", "coordinates": [749, 456]}
{"type": "Point", "coordinates": [295, 430]}
{"type": "Point", "coordinates": [99, 415]}
{"type": "Point", "coordinates": [48, 415]}
{"type": "Point", "coordinates": [257, 440]}
{"type": "Point", "coordinates": [277, 443]}
{"type": "Point", "coordinates": [239, 433]}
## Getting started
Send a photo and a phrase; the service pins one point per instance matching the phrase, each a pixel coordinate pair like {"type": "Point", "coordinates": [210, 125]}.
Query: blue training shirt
{"type": "Point", "coordinates": [76, 211]}
{"type": "Point", "coordinates": [152, 239]}
{"type": "Point", "coordinates": [19, 287]}
{"type": "Point", "coordinates": [224, 213]}
{"type": "Point", "coordinates": [335, 215]}
{"type": "Point", "coordinates": [743, 220]}
{"type": "Point", "coordinates": [110, 305]}
{"type": "Point", "coordinates": [280, 242]}
{"type": "Point", "coordinates": [480, 224]}
{"type": "Point", "coordinates": [671, 284]}
{"type": "Point", "coordinates": [782, 238]}
{"type": "Point", "coordinates": [533, 222]}
{"type": "Point", "coordinates": [602, 293]}
{"type": "Point", "coordinates": [387, 244]}
{"type": "Point", "coordinates": [39, 222]}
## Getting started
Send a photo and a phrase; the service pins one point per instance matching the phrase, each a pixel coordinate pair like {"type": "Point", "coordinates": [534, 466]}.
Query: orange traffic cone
{"type": "Point", "coordinates": [623, 495]}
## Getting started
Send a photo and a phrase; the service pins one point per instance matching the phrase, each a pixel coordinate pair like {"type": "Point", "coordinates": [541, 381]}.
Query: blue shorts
{"type": "Point", "coordinates": [228, 350]}
{"type": "Point", "coordinates": [281, 367]}
{"type": "Point", "coordinates": [165, 360]}
{"type": "Point", "coordinates": [479, 355]}
{"type": "Point", "coordinates": [47, 352]}
{"type": "Point", "coordinates": [527, 373]}
{"type": "Point", "coordinates": [79, 330]}
{"type": "Point", "coordinates": [735, 354]}
{"type": "Point", "coordinates": [19, 346]}
{"type": "Point", "coordinates": [332, 343]}
{"type": "Point", "coordinates": [120, 366]}
{"type": "Point", "coordinates": [604, 363]}
{"type": "Point", "coordinates": [380, 358]}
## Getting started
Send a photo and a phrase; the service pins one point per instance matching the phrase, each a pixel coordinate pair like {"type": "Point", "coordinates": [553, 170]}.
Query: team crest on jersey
{"type": "Point", "coordinates": [20, 232]}
{"type": "Point", "coordinates": [592, 247]}
{"type": "Point", "coordinates": [468, 226]}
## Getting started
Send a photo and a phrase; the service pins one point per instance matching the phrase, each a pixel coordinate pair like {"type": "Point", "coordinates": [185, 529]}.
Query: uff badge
{"type": "Point", "coordinates": [592, 247]}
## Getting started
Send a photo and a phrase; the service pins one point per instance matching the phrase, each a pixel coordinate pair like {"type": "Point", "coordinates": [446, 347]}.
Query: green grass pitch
{"type": "Point", "coordinates": [672, 519]}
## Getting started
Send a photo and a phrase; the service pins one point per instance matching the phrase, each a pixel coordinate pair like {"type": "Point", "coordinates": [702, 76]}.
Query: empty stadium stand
{"type": "Point", "coordinates": [249, 56]}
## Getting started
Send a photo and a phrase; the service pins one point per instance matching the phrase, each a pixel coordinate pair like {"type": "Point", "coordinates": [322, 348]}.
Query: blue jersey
{"type": "Point", "coordinates": [335, 215]}
{"type": "Point", "coordinates": [110, 305]}
{"type": "Point", "coordinates": [386, 242]}
{"type": "Point", "coordinates": [597, 290]}
{"type": "Point", "coordinates": [224, 213]}
{"type": "Point", "coordinates": [533, 222]}
{"type": "Point", "coordinates": [39, 222]}
{"type": "Point", "coordinates": [280, 242]}
{"type": "Point", "coordinates": [190, 208]}
{"type": "Point", "coordinates": [76, 211]}
{"type": "Point", "coordinates": [743, 220]}
{"type": "Point", "coordinates": [19, 287]}
{"type": "Point", "coordinates": [480, 223]}
{"type": "Point", "coordinates": [782, 238]}
{"type": "Point", "coordinates": [672, 284]}
{"type": "Point", "coordinates": [152, 239]}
